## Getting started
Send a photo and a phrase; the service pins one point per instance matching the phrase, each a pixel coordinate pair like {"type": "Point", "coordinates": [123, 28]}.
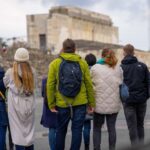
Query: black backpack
{"type": "Point", "coordinates": [70, 78]}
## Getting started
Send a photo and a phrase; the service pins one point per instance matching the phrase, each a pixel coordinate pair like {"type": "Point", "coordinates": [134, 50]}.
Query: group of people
{"type": "Point", "coordinates": [74, 89]}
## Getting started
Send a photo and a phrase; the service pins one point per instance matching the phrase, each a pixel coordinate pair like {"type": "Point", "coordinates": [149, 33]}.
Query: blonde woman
{"type": "Point", "coordinates": [21, 102]}
{"type": "Point", "coordinates": [106, 76]}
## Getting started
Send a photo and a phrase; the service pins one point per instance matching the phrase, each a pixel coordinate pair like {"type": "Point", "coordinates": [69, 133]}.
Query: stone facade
{"type": "Point", "coordinates": [86, 47]}
{"type": "Point", "coordinates": [48, 31]}
{"type": "Point", "coordinates": [36, 26]}
{"type": "Point", "coordinates": [142, 56]}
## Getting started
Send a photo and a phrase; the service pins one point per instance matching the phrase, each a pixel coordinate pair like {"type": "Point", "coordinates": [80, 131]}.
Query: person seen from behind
{"type": "Point", "coordinates": [69, 93]}
{"type": "Point", "coordinates": [49, 118]}
{"type": "Point", "coordinates": [106, 77]}
{"type": "Point", "coordinates": [136, 77]}
{"type": "Point", "coordinates": [91, 60]}
{"type": "Point", "coordinates": [20, 81]}
{"type": "Point", "coordinates": [3, 112]}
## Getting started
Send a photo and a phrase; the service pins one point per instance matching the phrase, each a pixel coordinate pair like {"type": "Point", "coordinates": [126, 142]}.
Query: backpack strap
{"type": "Point", "coordinates": [69, 105]}
{"type": "Point", "coordinates": [61, 57]}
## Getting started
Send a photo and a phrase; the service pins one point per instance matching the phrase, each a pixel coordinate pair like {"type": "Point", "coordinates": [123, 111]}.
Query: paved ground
{"type": "Point", "coordinates": [41, 142]}
{"type": "Point", "coordinates": [122, 132]}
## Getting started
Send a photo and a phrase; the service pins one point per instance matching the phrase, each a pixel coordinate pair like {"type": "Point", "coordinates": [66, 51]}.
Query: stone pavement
{"type": "Point", "coordinates": [41, 142]}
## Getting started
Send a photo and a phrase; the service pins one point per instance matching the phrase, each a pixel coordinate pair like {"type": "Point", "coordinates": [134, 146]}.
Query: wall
{"type": "Point", "coordinates": [82, 29]}
{"type": "Point", "coordinates": [57, 31]}
{"type": "Point", "coordinates": [69, 22]}
{"type": "Point", "coordinates": [36, 24]}
{"type": "Point", "coordinates": [75, 23]}
{"type": "Point", "coordinates": [141, 55]}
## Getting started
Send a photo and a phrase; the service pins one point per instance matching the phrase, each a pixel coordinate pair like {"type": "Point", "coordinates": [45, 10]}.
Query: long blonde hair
{"type": "Point", "coordinates": [26, 79]}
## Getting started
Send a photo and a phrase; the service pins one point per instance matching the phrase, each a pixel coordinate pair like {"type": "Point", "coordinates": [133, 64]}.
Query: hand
{"type": "Point", "coordinates": [54, 110]}
{"type": "Point", "coordinates": [90, 109]}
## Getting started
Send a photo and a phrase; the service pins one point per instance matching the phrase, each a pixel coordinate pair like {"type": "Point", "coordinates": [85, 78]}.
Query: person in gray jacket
{"type": "Point", "coordinates": [21, 100]}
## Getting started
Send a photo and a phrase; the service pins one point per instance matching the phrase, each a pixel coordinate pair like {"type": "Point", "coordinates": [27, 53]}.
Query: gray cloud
{"type": "Point", "coordinates": [132, 17]}
{"type": "Point", "coordinates": [136, 9]}
{"type": "Point", "coordinates": [80, 3]}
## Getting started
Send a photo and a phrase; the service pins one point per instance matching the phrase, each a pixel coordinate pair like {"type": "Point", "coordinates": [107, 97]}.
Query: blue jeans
{"type": "Point", "coordinates": [52, 138]}
{"type": "Point", "coordinates": [64, 116]}
{"type": "Point", "coordinates": [86, 131]}
{"type": "Point", "coordinates": [18, 147]}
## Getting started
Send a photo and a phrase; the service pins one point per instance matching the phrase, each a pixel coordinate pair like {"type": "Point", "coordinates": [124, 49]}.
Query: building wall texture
{"type": "Point", "coordinates": [36, 25]}
{"type": "Point", "coordinates": [142, 56]}
{"type": "Point", "coordinates": [69, 22]}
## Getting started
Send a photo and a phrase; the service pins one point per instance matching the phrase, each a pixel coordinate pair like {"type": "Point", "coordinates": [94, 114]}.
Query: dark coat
{"type": "Point", "coordinates": [3, 113]}
{"type": "Point", "coordinates": [136, 77]}
{"type": "Point", "coordinates": [149, 85]}
{"type": "Point", "coordinates": [49, 118]}
{"type": "Point", "coordinates": [2, 87]}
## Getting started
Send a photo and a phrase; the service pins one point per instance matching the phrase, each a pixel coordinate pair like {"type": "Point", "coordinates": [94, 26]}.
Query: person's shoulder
{"type": "Point", "coordinates": [142, 64]}
{"type": "Point", "coordinates": [55, 61]}
{"type": "Point", "coordinates": [9, 71]}
{"type": "Point", "coordinates": [96, 67]}
{"type": "Point", "coordinates": [82, 61]}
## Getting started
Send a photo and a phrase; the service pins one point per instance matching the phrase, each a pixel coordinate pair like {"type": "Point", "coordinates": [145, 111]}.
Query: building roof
{"type": "Point", "coordinates": [83, 14]}
{"type": "Point", "coordinates": [93, 45]}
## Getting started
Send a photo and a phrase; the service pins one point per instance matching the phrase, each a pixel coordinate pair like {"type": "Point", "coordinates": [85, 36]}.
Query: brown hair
{"type": "Point", "coordinates": [128, 49]}
{"type": "Point", "coordinates": [26, 80]}
{"type": "Point", "coordinates": [110, 58]}
{"type": "Point", "coordinates": [69, 46]}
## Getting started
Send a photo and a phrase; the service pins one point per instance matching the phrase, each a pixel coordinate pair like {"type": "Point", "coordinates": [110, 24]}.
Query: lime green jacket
{"type": "Point", "coordinates": [55, 98]}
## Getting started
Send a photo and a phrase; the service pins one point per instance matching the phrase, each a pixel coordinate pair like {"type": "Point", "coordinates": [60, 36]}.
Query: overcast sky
{"type": "Point", "coordinates": [132, 17]}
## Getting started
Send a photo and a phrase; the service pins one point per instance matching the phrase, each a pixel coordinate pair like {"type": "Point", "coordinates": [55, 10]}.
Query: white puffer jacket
{"type": "Point", "coordinates": [106, 83]}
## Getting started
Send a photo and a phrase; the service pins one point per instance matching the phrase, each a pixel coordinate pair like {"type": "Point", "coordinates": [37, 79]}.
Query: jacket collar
{"type": "Point", "coordinates": [70, 56]}
{"type": "Point", "coordinates": [129, 60]}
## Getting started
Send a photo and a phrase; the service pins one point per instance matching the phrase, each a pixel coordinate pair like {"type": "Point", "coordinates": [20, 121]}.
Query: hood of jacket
{"type": "Point", "coordinates": [101, 61]}
{"type": "Point", "coordinates": [129, 60]}
{"type": "Point", "coordinates": [70, 56]}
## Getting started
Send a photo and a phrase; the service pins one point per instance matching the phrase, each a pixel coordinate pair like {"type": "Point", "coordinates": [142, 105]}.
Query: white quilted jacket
{"type": "Point", "coordinates": [106, 83]}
